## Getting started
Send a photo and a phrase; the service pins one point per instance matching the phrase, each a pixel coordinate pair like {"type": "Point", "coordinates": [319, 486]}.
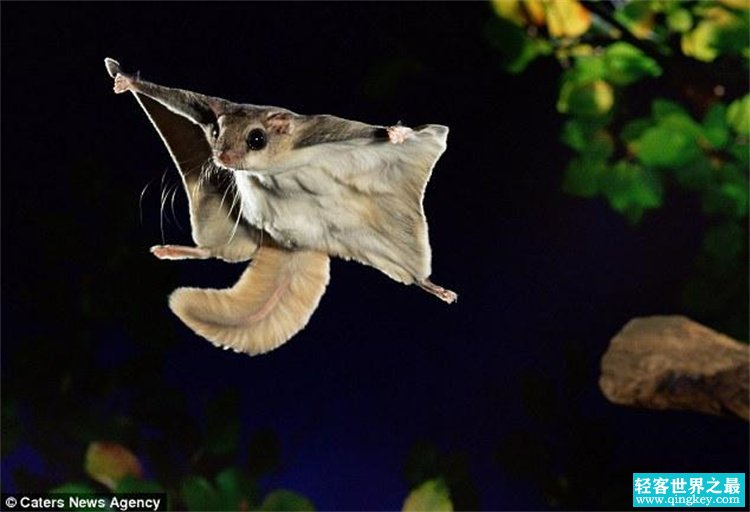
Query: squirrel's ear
{"type": "Point", "coordinates": [280, 122]}
{"type": "Point", "coordinates": [113, 67]}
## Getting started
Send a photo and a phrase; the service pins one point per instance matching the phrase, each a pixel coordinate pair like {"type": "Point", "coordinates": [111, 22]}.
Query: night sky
{"type": "Point", "coordinates": [544, 279]}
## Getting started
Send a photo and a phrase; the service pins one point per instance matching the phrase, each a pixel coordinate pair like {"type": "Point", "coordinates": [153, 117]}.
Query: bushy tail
{"type": "Point", "coordinates": [273, 300]}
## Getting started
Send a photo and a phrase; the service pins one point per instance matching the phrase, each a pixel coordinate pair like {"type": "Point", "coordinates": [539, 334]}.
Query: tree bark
{"type": "Point", "coordinates": [672, 362]}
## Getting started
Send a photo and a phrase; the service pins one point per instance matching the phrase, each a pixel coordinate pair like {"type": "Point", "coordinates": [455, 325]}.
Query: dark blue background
{"type": "Point", "coordinates": [380, 366]}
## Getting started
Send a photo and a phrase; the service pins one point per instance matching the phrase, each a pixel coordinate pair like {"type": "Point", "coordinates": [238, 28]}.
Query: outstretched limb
{"type": "Point", "coordinates": [198, 108]}
{"type": "Point", "coordinates": [123, 83]}
{"type": "Point", "coordinates": [180, 252]}
{"type": "Point", "coordinates": [447, 295]}
{"type": "Point", "coordinates": [398, 134]}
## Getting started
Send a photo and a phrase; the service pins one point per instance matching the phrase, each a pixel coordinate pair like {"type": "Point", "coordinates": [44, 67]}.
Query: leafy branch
{"type": "Point", "coordinates": [655, 99]}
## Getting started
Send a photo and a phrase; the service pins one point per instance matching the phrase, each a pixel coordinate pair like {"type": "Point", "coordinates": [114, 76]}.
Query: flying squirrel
{"type": "Point", "coordinates": [287, 191]}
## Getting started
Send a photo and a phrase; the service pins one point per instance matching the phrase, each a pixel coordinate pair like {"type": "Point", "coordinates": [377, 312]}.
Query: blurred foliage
{"type": "Point", "coordinates": [449, 474]}
{"type": "Point", "coordinates": [110, 463]}
{"type": "Point", "coordinates": [655, 97]}
{"type": "Point", "coordinates": [232, 488]}
{"type": "Point", "coordinates": [432, 495]}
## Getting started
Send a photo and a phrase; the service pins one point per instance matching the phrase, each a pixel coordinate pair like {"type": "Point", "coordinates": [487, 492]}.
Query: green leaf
{"type": "Point", "coordinates": [431, 496]}
{"type": "Point", "coordinates": [199, 494]}
{"type": "Point", "coordinates": [583, 177]}
{"type": "Point", "coordinates": [671, 143]}
{"type": "Point", "coordinates": [661, 147]}
{"type": "Point", "coordinates": [638, 17]}
{"type": "Point", "coordinates": [724, 243]}
{"type": "Point", "coordinates": [533, 48]}
{"type": "Point", "coordinates": [236, 489]}
{"type": "Point", "coordinates": [735, 199]}
{"type": "Point", "coordinates": [679, 20]}
{"type": "Point", "coordinates": [741, 152]}
{"type": "Point", "coordinates": [282, 499]}
{"type": "Point", "coordinates": [79, 489]}
{"type": "Point", "coordinates": [631, 189]}
{"type": "Point", "coordinates": [626, 64]}
{"type": "Point", "coordinates": [588, 138]}
{"type": "Point", "coordinates": [73, 488]}
{"type": "Point", "coordinates": [515, 48]}
{"type": "Point", "coordinates": [108, 463]}
{"type": "Point", "coordinates": [729, 196]}
{"type": "Point", "coordinates": [587, 68]}
{"type": "Point", "coordinates": [586, 99]}
{"type": "Point", "coordinates": [730, 172]}
{"type": "Point", "coordinates": [738, 115]}
{"type": "Point", "coordinates": [574, 134]}
{"type": "Point", "coordinates": [600, 146]}
{"type": "Point", "coordinates": [130, 485]}
{"type": "Point", "coordinates": [721, 32]}
{"type": "Point", "coordinates": [634, 129]}
{"type": "Point", "coordinates": [661, 108]}
{"type": "Point", "coordinates": [715, 127]}
{"type": "Point", "coordinates": [695, 175]}
{"type": "Point", "coordinates": [584, 91]}
{"type": "Point", "coordinates": [733, 36]}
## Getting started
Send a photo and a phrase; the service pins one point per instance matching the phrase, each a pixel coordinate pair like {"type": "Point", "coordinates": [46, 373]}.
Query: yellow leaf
{"type": "Point", "coordinates": [582, 50]}
{"type": "Point", "coordinates": [535, 11]}
{"type": "Point", "coordinates": [604, 96]}
{"type": "Point", "coordinates": [643, 29]}
{"type": "Point", "coordinates": [431, 496]}
{"type": "Point", "coordinates": [720, 16]}
{"type": "Point", "coordinates": [108, 463]}
{"type": "Point", "coordinates": [736, 4]}
{"type": "Point", "coordinates": [510, 10]}
{"type": "Point", "coordinates": [699, 43]}
{"type": "Point", "coordinates": [567, 18]}
{"type": "Point", "coordinates": [641, 18]}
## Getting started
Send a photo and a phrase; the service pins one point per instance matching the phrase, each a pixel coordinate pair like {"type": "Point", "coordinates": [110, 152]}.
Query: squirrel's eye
{"type": "Point", "coordinates": [256, 139]}
{"type": "Point", "coordinates": [215, 131]}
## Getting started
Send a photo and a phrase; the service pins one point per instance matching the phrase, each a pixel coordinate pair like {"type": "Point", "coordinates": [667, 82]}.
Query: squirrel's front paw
{"type": "Point", "coordinates": [398, 134]}
{"type": "Point", "coordinates": [122, 83]}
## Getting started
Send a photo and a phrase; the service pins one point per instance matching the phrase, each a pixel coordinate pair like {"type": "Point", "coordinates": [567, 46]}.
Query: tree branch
{"type": "Point", "coordinates": [650, 49]}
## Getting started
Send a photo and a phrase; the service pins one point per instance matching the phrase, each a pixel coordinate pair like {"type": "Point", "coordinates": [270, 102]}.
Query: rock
{"type": "Point", "coordinates": [672, 362]}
